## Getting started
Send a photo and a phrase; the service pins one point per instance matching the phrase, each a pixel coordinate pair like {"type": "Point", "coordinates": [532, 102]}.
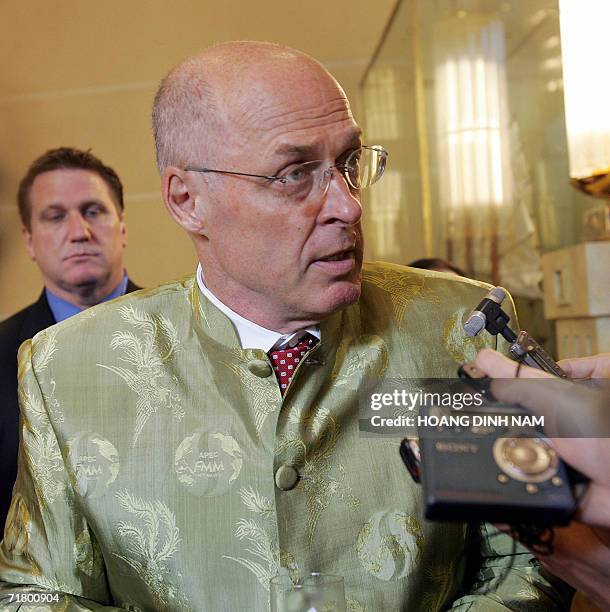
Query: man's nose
{"type": "Point", "coordinates": [78, 228]}
{"type": "Point", "coordinates": [341, 204]}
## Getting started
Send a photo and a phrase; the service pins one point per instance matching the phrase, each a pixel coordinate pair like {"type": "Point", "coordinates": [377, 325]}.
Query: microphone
{"type": "Point", "coordinates": [490, 316]}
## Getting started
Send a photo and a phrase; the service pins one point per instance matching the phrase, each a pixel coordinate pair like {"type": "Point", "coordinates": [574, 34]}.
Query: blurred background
{"type": "Point", "coordinates": [466, 95]}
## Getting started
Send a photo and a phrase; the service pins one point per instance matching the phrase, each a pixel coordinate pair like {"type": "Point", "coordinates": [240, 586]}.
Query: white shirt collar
{"type": "Point", "coordinates": [250, 334]}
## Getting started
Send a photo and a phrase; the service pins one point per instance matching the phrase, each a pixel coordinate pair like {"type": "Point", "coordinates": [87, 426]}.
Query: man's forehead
{"type": "Point", "coordinates": [266, 97]}
{"type": "Point", "coordinates": [65, 185]}
{"type": "Point", "coordinates": [279, 87]}
{"type": "Point", "coordinates": [290, 118]}
{"type": "Point", "coordinates": [66, 177]}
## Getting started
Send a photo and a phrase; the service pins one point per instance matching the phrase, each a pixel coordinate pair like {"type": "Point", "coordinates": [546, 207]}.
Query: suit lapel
{"type": "Point", "coordinates": [39, 317]}
{"type": "Point", "coordinates": [131, 286]}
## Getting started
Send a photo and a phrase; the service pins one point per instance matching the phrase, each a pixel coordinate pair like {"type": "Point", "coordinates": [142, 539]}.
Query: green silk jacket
{"type": "Point", "coordinates": [160, 468]}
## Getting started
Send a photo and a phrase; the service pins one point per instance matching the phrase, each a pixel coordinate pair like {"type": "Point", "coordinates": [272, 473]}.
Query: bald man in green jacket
{"type": "Point", "coordinates": [182, 446]}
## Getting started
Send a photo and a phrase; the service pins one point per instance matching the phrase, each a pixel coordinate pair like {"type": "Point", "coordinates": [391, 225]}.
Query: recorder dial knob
{"type": "Point", "coordinates": [526, 459]}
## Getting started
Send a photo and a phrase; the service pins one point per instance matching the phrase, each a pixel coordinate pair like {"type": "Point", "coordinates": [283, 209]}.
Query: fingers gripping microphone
{"type": "Point", "coordinates": [490, 316]}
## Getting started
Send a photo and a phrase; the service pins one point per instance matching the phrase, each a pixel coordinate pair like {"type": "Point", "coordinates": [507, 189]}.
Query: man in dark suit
{"type": "Point", "coordinates": [71, 206]}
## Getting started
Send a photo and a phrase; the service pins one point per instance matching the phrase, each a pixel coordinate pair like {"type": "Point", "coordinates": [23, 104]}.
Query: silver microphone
{"type": "Point", "coordinates": [477, 319]}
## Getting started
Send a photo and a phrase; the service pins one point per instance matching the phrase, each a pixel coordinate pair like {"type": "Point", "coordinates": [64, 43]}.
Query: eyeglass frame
{"type": "Point", "coordinates": [342, 167]}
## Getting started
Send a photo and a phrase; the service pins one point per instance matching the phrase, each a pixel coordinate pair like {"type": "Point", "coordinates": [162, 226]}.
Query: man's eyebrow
{"type": "Point", "coordinates": [354, 139]}
{"type": "Point", "coordinates": [292, 149]}
{"type": "Point", "coordinates": [92, 203]}
{"type": "Point", "coordinates": [53, 206]}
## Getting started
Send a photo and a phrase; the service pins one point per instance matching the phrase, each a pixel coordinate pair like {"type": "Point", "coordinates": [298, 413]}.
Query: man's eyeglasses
{"type": "Point", "coordinates": [361, 168]}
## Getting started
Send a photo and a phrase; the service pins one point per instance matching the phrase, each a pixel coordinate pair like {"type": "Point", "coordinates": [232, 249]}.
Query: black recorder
{"type": "Point", "coordinates": [492, 462]}
{"type": "Point", "coordinates": [477, 466]}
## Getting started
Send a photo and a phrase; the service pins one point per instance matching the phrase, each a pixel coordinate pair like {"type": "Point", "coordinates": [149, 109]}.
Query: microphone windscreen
{"type": "Point", "coordinates": [497, 294]}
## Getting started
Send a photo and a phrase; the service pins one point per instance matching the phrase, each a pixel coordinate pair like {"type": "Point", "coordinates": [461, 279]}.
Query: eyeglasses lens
{"type": "Point", "coordinates": [365, 166]}
{"type": "Point", "coordinates": [362, 168]}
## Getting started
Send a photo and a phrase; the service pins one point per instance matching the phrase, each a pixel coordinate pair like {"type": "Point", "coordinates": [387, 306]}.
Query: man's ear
{"type": "Point", "coordinates": [184, 204]}
{"type": "Point", "coordinates": [27, 238]}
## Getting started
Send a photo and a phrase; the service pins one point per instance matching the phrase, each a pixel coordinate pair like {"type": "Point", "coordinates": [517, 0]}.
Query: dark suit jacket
{"type": "Point", "coordinates": [20, 327]}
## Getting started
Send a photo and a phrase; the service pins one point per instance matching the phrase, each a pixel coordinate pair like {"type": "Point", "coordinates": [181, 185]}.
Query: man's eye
{"type": "Point", "coordinates": [353, 158]}
{"type": "Point", "coordinates": [93, 212]}
{"type": "Point", "coordinates": [297, 175]}
{"type": "Point", "coordinates": [54, 218]}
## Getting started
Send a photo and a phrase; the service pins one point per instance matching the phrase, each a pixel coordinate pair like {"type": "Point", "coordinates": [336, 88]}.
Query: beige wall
{"type": "Point", "coordinates": [84, 73]}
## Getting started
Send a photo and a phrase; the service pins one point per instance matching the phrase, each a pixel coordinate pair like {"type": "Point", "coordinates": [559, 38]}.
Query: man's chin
{"type": "Point", "coordinates": [82, 283]}
{"type": "Point", "coordinates": [342, 294]}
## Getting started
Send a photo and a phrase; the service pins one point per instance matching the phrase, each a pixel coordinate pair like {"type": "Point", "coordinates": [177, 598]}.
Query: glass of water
{"type": "Point", "coordinates": [313, 592]}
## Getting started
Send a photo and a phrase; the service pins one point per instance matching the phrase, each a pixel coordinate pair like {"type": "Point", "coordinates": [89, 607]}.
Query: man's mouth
{"type": "Point", "coordinates": [348, 254]}
{"type": "Point", "coordinates": [80, 255]}
{"type": "Point", "coordinates": [337, 264]}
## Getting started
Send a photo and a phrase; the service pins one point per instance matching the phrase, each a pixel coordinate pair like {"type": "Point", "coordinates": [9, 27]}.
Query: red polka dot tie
{"type": "Point", "coordinates": [285, 361]}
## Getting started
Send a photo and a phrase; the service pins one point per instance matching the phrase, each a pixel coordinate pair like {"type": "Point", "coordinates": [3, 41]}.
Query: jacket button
{"type": "Point", "coordinates": [286, 477]}
{"type": "Point", "coordinates": [260, 368]}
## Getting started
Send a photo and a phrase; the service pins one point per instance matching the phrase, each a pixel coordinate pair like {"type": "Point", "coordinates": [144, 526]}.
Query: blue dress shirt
{"type": "Point", "coordinates": [64, 310]}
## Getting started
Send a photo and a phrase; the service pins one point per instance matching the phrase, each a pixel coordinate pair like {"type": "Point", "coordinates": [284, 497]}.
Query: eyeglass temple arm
{"type": "Point", "coordinates": [204, 170]}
